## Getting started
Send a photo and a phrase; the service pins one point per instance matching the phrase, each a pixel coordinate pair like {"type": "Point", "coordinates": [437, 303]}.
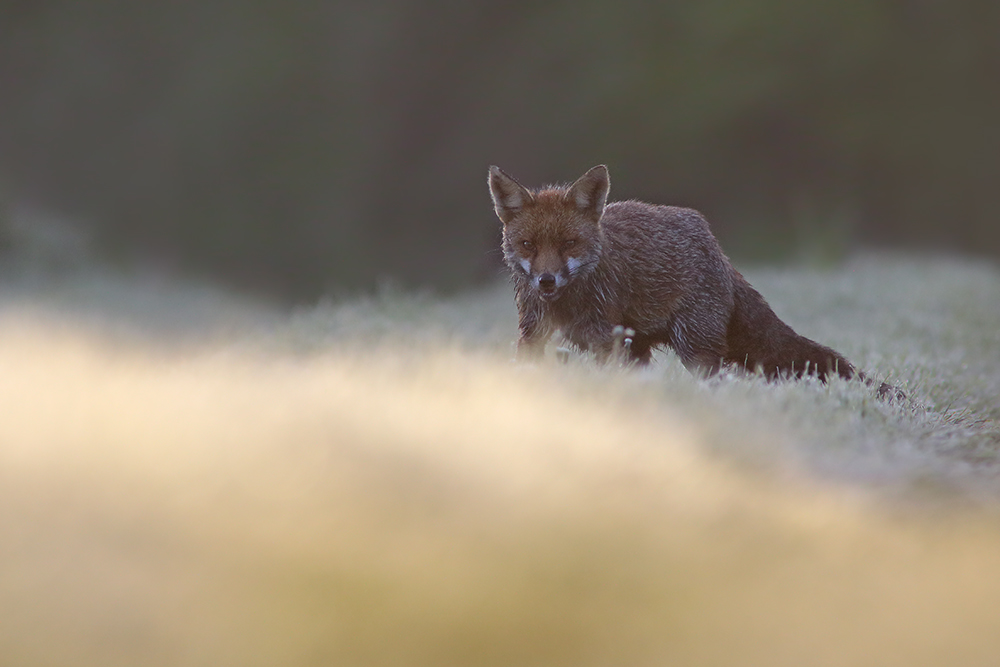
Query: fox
{"type": "Point", "coordinates": [592, 269]}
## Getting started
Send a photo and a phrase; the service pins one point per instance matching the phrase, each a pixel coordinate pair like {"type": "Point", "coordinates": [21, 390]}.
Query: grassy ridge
{"type": "Point", "coordinates": [190, 479]}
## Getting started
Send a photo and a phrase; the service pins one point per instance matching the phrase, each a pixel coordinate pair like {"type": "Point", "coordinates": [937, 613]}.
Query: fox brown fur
{"type": "Point", "coordinates": [585, 267]}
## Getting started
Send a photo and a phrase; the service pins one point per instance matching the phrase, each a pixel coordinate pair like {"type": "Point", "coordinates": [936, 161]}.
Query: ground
{"type": "Point", "coordinates": [188, 477]}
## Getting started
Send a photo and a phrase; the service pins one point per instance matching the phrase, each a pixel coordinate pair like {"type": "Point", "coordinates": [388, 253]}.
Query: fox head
{"type": "Point", "coordinates": [551, 236]}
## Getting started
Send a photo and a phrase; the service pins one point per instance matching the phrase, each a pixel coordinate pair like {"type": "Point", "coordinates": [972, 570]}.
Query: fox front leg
{"type": "Point", "coordinates": [626, 348]}
{"type": "Point", "coordinates": [534, 335]}
{"type": "Point", "coordinates": [602, 339]}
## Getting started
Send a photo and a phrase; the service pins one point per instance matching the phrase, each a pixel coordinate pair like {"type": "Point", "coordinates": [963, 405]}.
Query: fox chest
{"type": "Point", "coordinates": [584, 325]}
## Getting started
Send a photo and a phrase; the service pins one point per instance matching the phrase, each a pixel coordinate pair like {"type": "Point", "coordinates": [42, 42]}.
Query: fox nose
{"type": "Point", "coordinates": [546, 282]}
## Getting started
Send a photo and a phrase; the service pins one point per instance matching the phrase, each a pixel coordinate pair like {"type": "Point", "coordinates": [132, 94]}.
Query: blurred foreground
{"type": "Point", "coordinates": [188, 479]}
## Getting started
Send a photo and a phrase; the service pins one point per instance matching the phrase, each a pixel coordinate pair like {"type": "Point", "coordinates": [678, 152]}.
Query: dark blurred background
{"type": "Point", "coordinates": [298, 147]}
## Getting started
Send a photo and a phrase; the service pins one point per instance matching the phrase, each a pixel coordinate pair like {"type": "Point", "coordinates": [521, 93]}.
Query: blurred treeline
{"type": "Point", "coordinates": [299, 146]}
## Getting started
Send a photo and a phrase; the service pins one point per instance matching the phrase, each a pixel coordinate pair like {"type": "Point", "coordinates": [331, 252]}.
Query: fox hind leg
{"type": "Point", "coordinates": [700, 345]}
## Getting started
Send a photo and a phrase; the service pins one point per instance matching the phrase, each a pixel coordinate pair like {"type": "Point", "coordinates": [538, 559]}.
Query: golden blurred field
{"type": "Point", "coordinates": [191, 479]}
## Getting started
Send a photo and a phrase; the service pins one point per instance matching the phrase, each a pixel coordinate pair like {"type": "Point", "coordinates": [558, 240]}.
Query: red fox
{"type": "Point", "coordinates": [585, 267]}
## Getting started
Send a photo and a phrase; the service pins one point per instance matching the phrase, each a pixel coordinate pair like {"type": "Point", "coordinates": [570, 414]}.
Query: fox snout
{"type": "Point", "coordinates": [548, 284]}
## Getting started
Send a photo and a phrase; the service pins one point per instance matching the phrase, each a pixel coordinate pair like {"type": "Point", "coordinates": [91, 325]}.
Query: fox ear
{"type": "Point", "coordinates": [590, 192]}
{"type": "Point", "coordinates": [509, 196]}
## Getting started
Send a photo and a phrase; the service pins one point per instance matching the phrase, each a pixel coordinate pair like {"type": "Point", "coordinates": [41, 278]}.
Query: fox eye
{"type": "Point", "coordinates": [569, 243]}
{"type": "Point", "coordinates": [528, 245]}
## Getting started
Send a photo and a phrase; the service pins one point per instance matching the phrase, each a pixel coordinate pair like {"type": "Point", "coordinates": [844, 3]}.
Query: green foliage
{"type": "Point", "coordinates": [296, 146]}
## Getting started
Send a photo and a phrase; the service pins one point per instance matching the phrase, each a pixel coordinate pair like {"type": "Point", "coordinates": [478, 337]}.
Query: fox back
{"type": "Point", "coordinates": [586, 267]}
